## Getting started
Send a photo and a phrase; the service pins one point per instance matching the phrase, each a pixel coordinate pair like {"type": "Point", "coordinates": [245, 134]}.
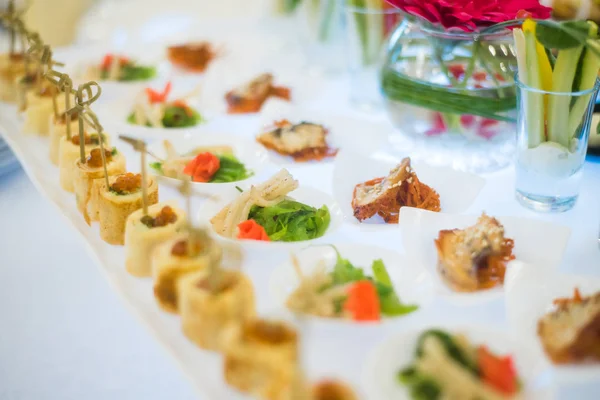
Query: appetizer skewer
{"type": "Point", "coordinates": [188, 252]}
{"type": "Point", "coordinates": [117, 199]}
{"type": "Point", "coordinates": [261, 359]}
{"type": "Point", "coordinates": [13, 64]}
{"type": "Point", "coordinates": [144, 231]}
{"type": "Point", "coordinates": [210, 302]}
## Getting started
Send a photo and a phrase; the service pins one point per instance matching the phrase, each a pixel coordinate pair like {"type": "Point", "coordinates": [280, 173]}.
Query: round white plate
{"type": "Point", "coordinates": [534, 240]}
{"type": "Point", "coordinates": [246, 151]}
{"type": "Point", "coordinates": [412, 284]}
{"type": "Point", "coordinates": [397, 352]}
{"type": "Point", "coordinates": [352, 168]}
{"type": "Point", "coordinates": [530, 291]}
{"type": "Point", "coordinates": [303, 194]}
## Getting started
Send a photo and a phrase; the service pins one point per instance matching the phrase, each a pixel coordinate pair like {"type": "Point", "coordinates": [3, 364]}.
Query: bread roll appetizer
{"type": "Point", "coordinates": [69, 153]}
{"type": "Point", "coordinates": [11, 66]}
{"type": "Point", "coordinates": [332, 390]}
{"type": "Point", "coordinates": [116, 202]}
{"type": "Point", "coordinates": [39, 108]}
{"type": "Point", "coordinates": [174, 259]}
{"type": "Point", "coordinates": [261, 359]}
{"type": "Point", "coordinates": [57, 129]}
{"type": "Point", "coordinates": [144, 232]}
{"type": "Point", "coordinates": [90, 170]}
{"type": "Point", "coordinates": [211, 303]}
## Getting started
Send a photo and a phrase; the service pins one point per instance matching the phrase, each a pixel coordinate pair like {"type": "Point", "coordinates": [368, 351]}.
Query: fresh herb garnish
{"type": "Point", "coordinates": [175, 117]}
{"type": "Point", "coordinates": [157, 166]}
{"type": "Point", "coordinates": [230, 170]}
{"type": "Point", "coordinates": [345, 272]}
{"type": "Point", "coordinates": [291, 221]}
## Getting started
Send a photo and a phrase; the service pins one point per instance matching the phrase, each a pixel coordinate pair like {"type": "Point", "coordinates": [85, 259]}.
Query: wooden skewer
{"type": "Point", "coordinates": [140, 145]}
{"type": "Point", "coordinates": [12, 33]}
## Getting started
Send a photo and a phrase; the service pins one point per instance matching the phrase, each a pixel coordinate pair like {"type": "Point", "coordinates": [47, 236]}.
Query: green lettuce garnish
{"type": "Point", "coordinates": [132, 72]}
{"type": "Point", "coordinates": [345, 272]}
{"type": "Point", "coordinates": [175, 117]}
{"type": "Point", "coordinates": [231, 170]}
{"type": "Point", "coordinates": [291, 221]}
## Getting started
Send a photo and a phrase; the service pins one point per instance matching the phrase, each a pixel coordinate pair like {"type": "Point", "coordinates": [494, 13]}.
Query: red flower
{"type": "Point", "coordinates": [470, 15]}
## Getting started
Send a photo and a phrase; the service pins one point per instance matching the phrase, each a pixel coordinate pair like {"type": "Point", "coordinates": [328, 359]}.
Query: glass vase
{"type": "Point", "coordinates": [322, 26]}
{"type": "Point", "coordinates": [452, 94]}
{"type": "Point", "coordinates": [551, 146]}
{"type": "Point", "coordinates": [367, 31]}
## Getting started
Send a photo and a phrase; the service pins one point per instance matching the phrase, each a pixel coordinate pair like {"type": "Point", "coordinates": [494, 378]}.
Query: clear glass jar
{"type": "Point", "coordinates": [453, 94]}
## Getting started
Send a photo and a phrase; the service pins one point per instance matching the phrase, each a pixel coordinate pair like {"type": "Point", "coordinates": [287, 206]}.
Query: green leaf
{"type": "Point", "coordinates": [231, 170]}
{"type": "Point", "coordinates": [157, 166]}
{"type": "Point", "coordinates": [452, 349]}
{"type": "Point", "coordinates": [564, 35]}
{"type": "Point", "coordinates": [132, 72]}
{"type": "Point", "coordinates": [292, 221]}
{"type": "Point", "coordinates": [178, 117]}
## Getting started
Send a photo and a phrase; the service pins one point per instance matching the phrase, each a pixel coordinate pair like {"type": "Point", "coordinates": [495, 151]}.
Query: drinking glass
{"type": "Point", "coordinates": [553, 129]}
{"type": "Point", "coordinates": [367, 32]}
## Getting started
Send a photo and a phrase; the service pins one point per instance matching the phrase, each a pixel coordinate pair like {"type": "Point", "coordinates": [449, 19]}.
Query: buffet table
{"type": "Point", "coordinates": [69, 337]}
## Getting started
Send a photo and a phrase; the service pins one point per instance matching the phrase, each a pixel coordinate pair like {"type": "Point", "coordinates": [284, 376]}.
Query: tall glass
{"type": "Point", "coordinates": [551, 147]}
{"type": "Point", "coordinates": [367, 32]}
{"type": "Point", "coordinates": [322, 23]}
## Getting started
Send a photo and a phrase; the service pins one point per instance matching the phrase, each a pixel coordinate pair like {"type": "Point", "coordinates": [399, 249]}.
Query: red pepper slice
{"type": "Point", "coordinates": [363, 302]}
{"type": "Point", "coordinates": [497, 372]}
{"type": "Point", "coordinates": [250, 229]}
{"type": "Point", "coordinates": [203, 167]}
{"type": "Point", "coordinates": [108, 60]}
{"type": "Point", "coordinates": [158, 97]}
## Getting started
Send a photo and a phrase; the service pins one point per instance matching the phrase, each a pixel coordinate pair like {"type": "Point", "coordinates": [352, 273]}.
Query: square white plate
{"type": "Point", "coordinates": [352, 168]}
{"type": "Point", "coordinates": [530, 291]}
{"type": "Point", "coordinates": [535, 242]}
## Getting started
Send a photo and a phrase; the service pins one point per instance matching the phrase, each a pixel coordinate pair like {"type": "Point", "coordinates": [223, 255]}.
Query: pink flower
{"type": "Point", "coordinates": [471, 15]}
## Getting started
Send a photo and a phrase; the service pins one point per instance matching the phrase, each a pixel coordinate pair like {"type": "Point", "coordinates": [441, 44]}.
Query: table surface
{"type": "Point", "coordinates": [65, 335]}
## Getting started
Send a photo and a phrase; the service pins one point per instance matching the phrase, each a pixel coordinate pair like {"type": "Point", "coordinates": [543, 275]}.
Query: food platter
{"type": "Point", "coordinates": [364, 356]}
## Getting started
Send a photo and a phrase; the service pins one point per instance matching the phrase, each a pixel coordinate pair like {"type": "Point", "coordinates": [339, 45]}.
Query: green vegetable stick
{"type": "Point", "coordinates": [558, 106]}
{"type": "Point", "coordinates": [589, 74]}
{"type": "Point", "coordinates": [534, 101]}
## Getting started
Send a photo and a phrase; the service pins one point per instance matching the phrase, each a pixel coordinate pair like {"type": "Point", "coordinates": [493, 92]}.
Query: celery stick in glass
{"type": "Point", "coordinates": [535, 101]}
{"type": "Point", "coordinates": [558, 106]}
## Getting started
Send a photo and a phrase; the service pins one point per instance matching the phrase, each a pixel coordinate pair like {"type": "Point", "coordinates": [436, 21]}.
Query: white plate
{"type": "Point", "coordinates": [398, 351]}
{"type": "Point", "coordinates": [535, 241]}
{"type": "Point", "coordinates": [253, 156]}
{"type": "Point", "coordinates": [303, 194]}
{"type": "Point", "coordinates": [412, 284]}
{"type": "Point", "coordinates": [236, 69]}
{"type": "Point", "coordinates": [345, 133]}
{"type": "Point", "coordinates": [530, 291]}
{"type": "Point", "coordinates": [352, 168]}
